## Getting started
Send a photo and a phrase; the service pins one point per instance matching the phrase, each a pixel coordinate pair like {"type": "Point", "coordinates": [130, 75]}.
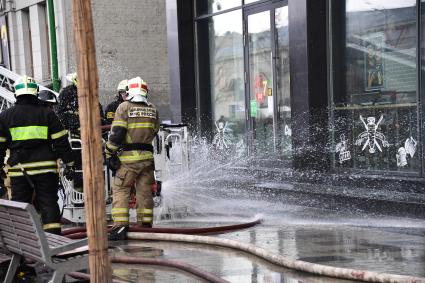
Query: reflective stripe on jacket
{"type": "Point", "coordinates": [35, 137]}
{"type": "Point", "coordinates": [133, 123]}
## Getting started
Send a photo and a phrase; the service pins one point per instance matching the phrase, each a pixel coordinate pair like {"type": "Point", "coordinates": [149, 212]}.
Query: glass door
{"type": "Point", "coordinates": [260, 90]}
{"type": "Point", "coordinates": [267, 80]}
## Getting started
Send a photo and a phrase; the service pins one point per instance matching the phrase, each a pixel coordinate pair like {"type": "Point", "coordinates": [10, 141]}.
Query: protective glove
{"type": "Point", "coordinates": [113, 162]}
{"type": "Point", "coordinates": [69, 172]}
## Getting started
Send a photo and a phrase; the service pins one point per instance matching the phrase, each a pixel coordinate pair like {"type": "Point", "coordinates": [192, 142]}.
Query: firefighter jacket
{"type": "Point", "coordinates": [35, 137]}
{"type": "Point", "coordinates": [134, 124]}
{"type": "Point", "coordinates": [110, 110]}
{"type": "Point", "coordinates": [67, 109]}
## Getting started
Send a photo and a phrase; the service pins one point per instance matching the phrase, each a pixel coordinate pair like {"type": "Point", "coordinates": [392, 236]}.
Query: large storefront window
{"type": "Point", "coordinates": [221, 65]}
{"type": "Point", "coordinates": [374, 75]}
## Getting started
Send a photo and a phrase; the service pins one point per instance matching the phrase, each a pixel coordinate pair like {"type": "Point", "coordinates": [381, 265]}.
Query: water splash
{"type": "Point", "coordinates": [214, 190]}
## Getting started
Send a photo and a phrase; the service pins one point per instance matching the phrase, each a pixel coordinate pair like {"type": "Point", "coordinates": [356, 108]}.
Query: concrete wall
{"type": "Point", "coordinates": [131, 40]}
{"type": "Point", "coordinates": [28, 39]}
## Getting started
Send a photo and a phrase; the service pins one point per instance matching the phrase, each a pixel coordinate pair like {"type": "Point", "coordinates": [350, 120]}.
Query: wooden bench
{"type": "Point", "coordinates": [22, 235]}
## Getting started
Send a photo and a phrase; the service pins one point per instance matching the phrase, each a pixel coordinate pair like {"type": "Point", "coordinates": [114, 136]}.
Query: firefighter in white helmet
{"type": "Point", "coordinates": [129, 152]}
{"type": "Point", "coordinates": [67, 108]}
{"type": "Point", "coordinates": [112, 107]}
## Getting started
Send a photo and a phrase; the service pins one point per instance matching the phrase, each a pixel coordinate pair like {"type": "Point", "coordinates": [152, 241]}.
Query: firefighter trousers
{"type": "Point", "coordinates": [45, 199]}
{"type": "Point", "coordinates": [141, 175]}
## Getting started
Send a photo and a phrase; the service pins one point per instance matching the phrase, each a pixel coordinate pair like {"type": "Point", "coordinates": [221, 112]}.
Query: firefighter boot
{"type": "Point", "coordinates": [118, 233]}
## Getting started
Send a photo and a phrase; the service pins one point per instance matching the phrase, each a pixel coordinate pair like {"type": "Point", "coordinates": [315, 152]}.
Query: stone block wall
{"type": "Point", "coordinates": [131, 40]}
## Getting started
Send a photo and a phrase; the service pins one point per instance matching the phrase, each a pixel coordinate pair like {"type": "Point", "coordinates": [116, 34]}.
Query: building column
{"type": "Point", "coordinates": [13, 40]}
{"type": "Point", "coordinates": [173, 60]}
{"type": "Point", "coordinates": [23, 50]}
{"type": "Point", "coordinates": [62, 41]}
{"type": "Point", "coordinates": [309, 96]}
{"type": "Point", "coordinates": [39, 40]}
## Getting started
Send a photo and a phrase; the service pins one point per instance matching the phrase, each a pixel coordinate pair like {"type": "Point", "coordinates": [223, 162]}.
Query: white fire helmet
{"type": "Point", "coordinates": [25, 85]}
{"type": "Point", "coordinates": [123, 85]}
{"type": "Point", "coordinates": [72, 78]}
{"type": "Point", "coordinates": [137, 90]}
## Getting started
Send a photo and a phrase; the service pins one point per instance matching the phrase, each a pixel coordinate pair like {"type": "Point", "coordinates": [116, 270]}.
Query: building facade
{"type": "Point", "coordinates": [128, 44]}
{"type": "Point", "coordinates": [326, 85]}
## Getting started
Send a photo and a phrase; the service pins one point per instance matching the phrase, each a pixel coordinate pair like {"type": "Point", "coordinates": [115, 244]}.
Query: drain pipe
{"type": "Point", "coordinates": [53, 46]}
{"type": "Point", "coordinates": [319, 269]}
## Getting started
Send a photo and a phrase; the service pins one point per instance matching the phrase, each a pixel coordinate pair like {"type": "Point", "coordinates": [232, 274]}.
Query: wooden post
{"type": "Point", "coordinates": [88, 99]}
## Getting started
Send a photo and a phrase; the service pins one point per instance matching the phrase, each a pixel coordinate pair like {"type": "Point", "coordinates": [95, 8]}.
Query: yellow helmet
{"type": "Point", "coordinates": [72, 78]}
{"type": "Point", "coordinates": [26, 85]}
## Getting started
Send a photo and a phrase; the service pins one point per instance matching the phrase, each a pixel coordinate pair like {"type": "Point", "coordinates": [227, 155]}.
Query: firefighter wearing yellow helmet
{"type": "Point", "coordinates": [35, 138]}
{"type": "Point", "coordinates": [129, 151]}
{"type": "Point", "coordinates": [121, 96]}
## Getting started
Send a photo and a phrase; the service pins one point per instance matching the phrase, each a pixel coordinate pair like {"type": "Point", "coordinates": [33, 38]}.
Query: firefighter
{"type": "Point", "coordinates": [67, 108]}
{"type": "Point", "coordinates": [129, 151]}
{"type": "Point", "coordinates": [112, 107]}
{"type": "Point", "coordinates": [36, 138]}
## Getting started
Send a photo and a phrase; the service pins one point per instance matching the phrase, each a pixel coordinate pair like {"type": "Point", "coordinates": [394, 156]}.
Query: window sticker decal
{"type": "Point", "coordinates": [221, 139]}
{"type": "Point", "coordinates": [372, 138]}
{"type": "Point", "coordinates": [342, 148]}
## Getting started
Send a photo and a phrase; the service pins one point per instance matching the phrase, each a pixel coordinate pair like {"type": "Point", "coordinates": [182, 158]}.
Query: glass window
{"type": "Point", "coordinates": [212, 6]}
{"type": "Point", "coordinates": [221, 77]}
{"type": "Point", "coordinates": [282, 81]}
{"type": "Point", "coordinates": [261, 82]}
{"type": "Point", "coordinates": [374, 78]}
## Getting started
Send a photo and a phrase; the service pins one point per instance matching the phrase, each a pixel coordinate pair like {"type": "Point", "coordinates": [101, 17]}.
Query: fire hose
{"type": "Point", "coordinates": [176, 235]}
{"type": "Point", "coordinates": [313, 268]}
{"type": "Point", "coordinates": [160, 262]}
{"type": "Point", "coordinates": [169, 263]}
{"type": "Point", "coordinates": [85, 276]}
{"type": "Point", "coordinates": [80, 232]}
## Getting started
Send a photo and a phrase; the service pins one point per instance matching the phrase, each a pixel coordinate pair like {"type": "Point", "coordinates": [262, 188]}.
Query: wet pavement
{"type": "Point", "coordinates": [398, 250]}
{"type": "Point", "coordinates": [360, 228]}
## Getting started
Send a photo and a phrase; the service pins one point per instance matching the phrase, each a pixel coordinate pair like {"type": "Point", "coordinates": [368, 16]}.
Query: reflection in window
{"type": "Point", "coordinates": [261, 82]}
{"type": "Point", "coordinates": [221, 68]}
{"type": "Point", "coordinates": [282, 82]}
{"type": "Point", "coordinates": [374, 75]}
{"type": "Point", "coordinates": [213, 6]}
